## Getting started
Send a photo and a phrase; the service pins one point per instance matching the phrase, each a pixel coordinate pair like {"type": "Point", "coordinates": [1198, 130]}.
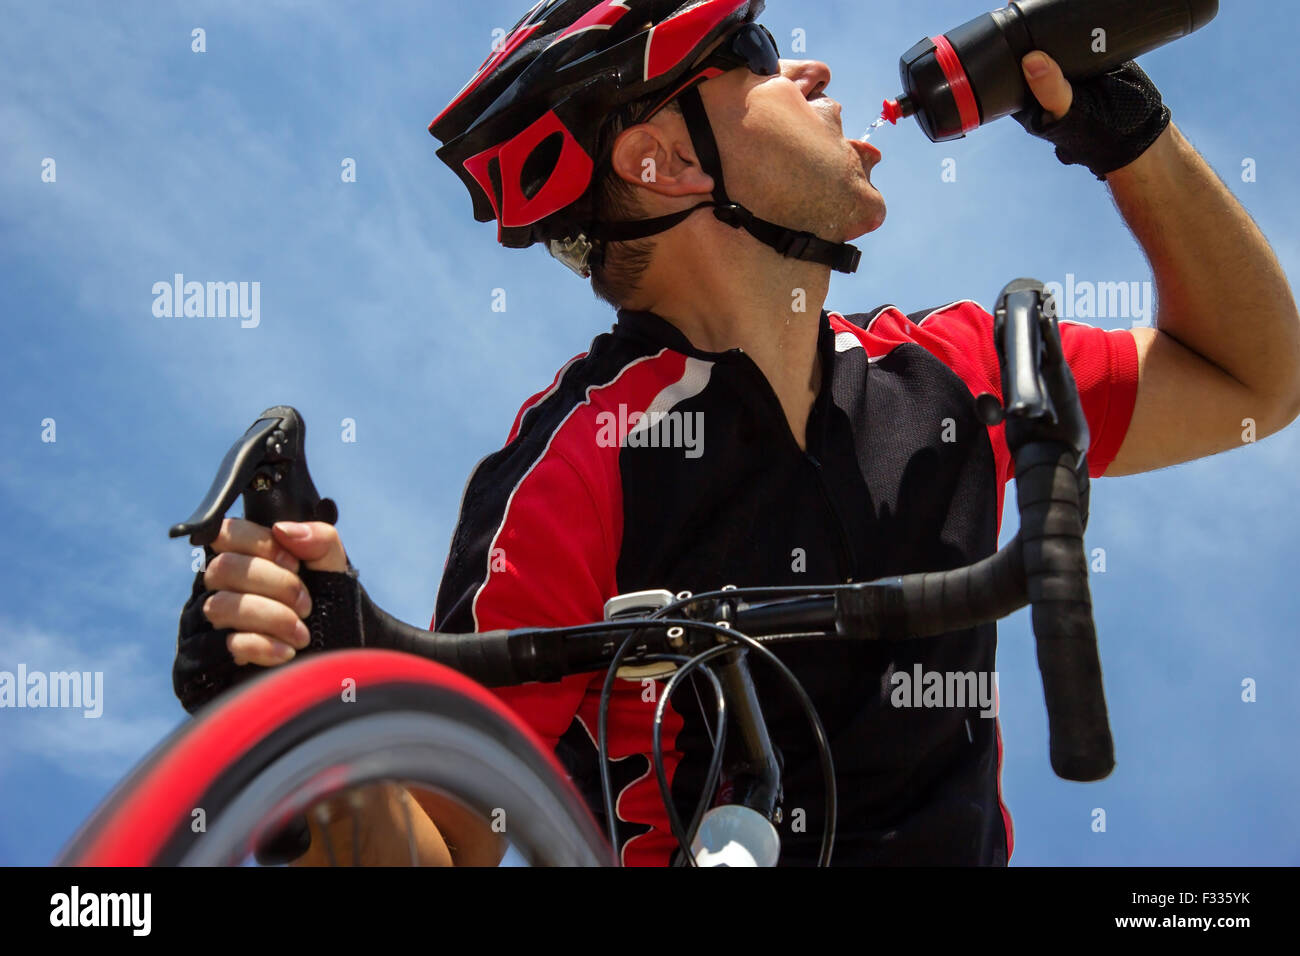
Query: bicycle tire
{"type": "Point", "coordinates": [410, 719]}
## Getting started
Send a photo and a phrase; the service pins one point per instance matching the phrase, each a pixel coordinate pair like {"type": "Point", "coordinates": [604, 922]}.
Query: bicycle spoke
{"type": "Point", "coordinates": [322, 819]}
{"type": "Point", "coordinates": [410, 827]}
{"type": "Point", "coordinates": [357, 799]}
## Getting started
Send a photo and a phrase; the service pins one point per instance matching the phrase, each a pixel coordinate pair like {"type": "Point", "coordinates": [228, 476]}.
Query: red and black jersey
{"type": "Point", "coordinates": [603, 488]}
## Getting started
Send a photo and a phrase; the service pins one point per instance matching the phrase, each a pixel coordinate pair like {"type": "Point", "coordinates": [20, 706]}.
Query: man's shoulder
{"type": "Point", "coordinates": [885, 317]}
{"type": "Point", "coordinates": [547, 407]}
{"type": "Point", "coordinates": [957, 335]}
{"type": "Point", "coordinates": [618, 374]}
{"type": "Point", "coordinates": [939, 330]}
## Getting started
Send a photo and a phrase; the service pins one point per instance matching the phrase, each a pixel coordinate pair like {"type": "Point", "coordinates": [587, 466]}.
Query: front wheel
{"type": "Point", "coordinates": [221, 785]}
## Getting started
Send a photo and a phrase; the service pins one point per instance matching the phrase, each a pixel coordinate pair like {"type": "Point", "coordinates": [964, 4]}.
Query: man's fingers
{"type": "Point", "coordinates": [1048, 83]}
{"type": "Point", "coordinates": [249, 575]}
{"type": "Point", "coordinates": [258, 615]}
{"type": "Point", "coordinates": [258, 649]}
{"type": "Point", "coordinates": [315, 542]}
{"type": "Point", "coordinates": [239, 536]}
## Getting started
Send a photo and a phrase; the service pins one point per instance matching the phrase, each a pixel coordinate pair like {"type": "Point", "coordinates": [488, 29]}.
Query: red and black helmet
{"type": "Point", "coordinates": [523, 134]}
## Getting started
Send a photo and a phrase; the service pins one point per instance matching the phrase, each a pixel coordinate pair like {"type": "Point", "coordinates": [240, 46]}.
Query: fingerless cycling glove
{"type": "Point", "coordinates": [204, 667]}
{"type": "Point", "coordinates": [1113, 120]}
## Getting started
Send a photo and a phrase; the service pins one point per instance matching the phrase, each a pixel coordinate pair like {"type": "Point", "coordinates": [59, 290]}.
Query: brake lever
{"type": "Point", "coordinates": [1040, 399]}
{"type": "Point", "coordinates": [268, 466]}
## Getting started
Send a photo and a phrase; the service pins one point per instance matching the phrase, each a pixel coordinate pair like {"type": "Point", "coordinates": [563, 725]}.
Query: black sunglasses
{"type": "Point", "coordinates": [751, 46]}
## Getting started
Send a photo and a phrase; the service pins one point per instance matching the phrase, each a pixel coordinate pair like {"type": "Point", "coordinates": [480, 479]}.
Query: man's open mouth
{"type": "Point", "coordinates": [866, 149]}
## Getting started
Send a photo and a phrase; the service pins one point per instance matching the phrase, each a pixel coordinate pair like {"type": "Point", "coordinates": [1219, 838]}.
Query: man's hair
{"type": "Point", "coordinates": [616, 279]}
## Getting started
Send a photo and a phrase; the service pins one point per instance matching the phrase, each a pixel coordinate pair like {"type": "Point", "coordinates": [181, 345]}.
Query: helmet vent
{"type": "Point", "coordinates": [540, 164]}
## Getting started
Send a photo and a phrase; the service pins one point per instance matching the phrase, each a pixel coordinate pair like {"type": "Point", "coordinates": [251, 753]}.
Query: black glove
{"type": "Point", "coordinates": [1114, 119]}
{"type": "Point", "coordinates": [204, 667]}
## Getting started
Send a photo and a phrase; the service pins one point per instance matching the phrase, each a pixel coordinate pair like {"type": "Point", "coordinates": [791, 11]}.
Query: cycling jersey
{"type": "Point", "coordinates": [651, 464]}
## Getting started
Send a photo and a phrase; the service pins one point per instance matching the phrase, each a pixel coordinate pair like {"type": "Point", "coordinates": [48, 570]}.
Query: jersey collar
{"type": "Point", "coordinates": [658, 331]}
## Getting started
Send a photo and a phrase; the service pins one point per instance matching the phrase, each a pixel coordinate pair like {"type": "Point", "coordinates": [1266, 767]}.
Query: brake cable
{"type": "Point", "coordinates": [733, 637]}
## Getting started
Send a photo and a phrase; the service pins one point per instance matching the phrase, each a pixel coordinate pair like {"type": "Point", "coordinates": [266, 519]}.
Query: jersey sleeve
{"type": "Point", "coordinates": [543, 560]}
{"type": "Point", "coordinates": [1104, 364]}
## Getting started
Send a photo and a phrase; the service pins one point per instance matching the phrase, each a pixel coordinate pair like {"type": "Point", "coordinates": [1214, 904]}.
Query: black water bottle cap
{"type": "Point", "coordinates": [938, 90]}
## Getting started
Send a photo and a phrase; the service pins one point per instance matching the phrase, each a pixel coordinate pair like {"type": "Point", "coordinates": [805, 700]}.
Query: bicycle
{"type": "Point", "coordinates": [256, 761]}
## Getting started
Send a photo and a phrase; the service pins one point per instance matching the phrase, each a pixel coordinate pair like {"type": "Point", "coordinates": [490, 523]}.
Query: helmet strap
{"type": "Point", "coordinates": [795, 244]}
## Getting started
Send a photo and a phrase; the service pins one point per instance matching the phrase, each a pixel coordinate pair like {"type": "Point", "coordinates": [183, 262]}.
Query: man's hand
{"type": "Point", "coordinates": [1104, 122]}
{"type": "Point", "coordinates": [1048, 84]}
{"type": "Point", "coordinates": [249, 608]}
{"type": "Point", "coordinates": [257, 594]}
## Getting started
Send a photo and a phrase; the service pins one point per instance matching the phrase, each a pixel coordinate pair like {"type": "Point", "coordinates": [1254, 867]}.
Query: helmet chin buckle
{"type": "Point", "coordinates": [574, 252]}
{"type": "Point", "coordinates": [731, 214]}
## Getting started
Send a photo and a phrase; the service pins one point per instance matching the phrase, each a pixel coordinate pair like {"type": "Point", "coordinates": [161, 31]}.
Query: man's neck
{"type": "Point", "coordinates": [741, 295]}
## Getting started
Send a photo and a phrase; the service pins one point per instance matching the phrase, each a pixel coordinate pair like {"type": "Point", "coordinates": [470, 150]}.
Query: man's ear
{"type": "Point", "coordinates": [659, 156]}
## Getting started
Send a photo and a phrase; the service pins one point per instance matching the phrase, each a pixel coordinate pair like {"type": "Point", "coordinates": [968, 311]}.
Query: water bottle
{"type": "Point", "coordinates": [960, 80]}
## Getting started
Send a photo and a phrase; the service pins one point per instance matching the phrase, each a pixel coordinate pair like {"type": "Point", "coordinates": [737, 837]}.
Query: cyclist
{"type": "Point", "coordinates": [731, 430]}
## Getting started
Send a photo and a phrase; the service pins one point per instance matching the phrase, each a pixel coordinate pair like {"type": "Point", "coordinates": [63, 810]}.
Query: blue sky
{"type": "Point", "coordinates": [376, 305]}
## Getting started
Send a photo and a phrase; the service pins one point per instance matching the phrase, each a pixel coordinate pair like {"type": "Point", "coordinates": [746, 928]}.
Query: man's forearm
{"type": "Point", "coordinates": [1221, 290]}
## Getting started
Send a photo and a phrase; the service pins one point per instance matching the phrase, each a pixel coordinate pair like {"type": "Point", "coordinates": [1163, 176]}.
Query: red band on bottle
{"type": "Point", "coordinates": [958, 82]}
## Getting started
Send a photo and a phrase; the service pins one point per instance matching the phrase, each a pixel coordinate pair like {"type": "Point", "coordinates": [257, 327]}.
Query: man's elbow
{"type": "Point", "coordinates": [1281, 412]}
{"type": "Point", "coordinates": [1290, 413]}
{"type": "Point", "coordinates": [1279, 397]}
{"type": "Point", "coordinates": [1290, 407]}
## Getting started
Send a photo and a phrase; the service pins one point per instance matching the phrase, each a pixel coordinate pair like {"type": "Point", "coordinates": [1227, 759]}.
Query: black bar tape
{"type": "Point", "coordinates": [495, 659]}
{"type": "Point", "coordinates": [945, 601]}
{"type": "Point", "coordinates": [1057, 576]}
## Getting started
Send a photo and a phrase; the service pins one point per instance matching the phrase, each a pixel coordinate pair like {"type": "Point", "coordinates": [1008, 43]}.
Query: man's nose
{"type": "Point", "coordinates": [812, 76]}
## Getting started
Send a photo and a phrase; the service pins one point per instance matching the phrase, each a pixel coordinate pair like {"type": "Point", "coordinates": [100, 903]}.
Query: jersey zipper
{"type": "Point", "coordinates": [844, 549]}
